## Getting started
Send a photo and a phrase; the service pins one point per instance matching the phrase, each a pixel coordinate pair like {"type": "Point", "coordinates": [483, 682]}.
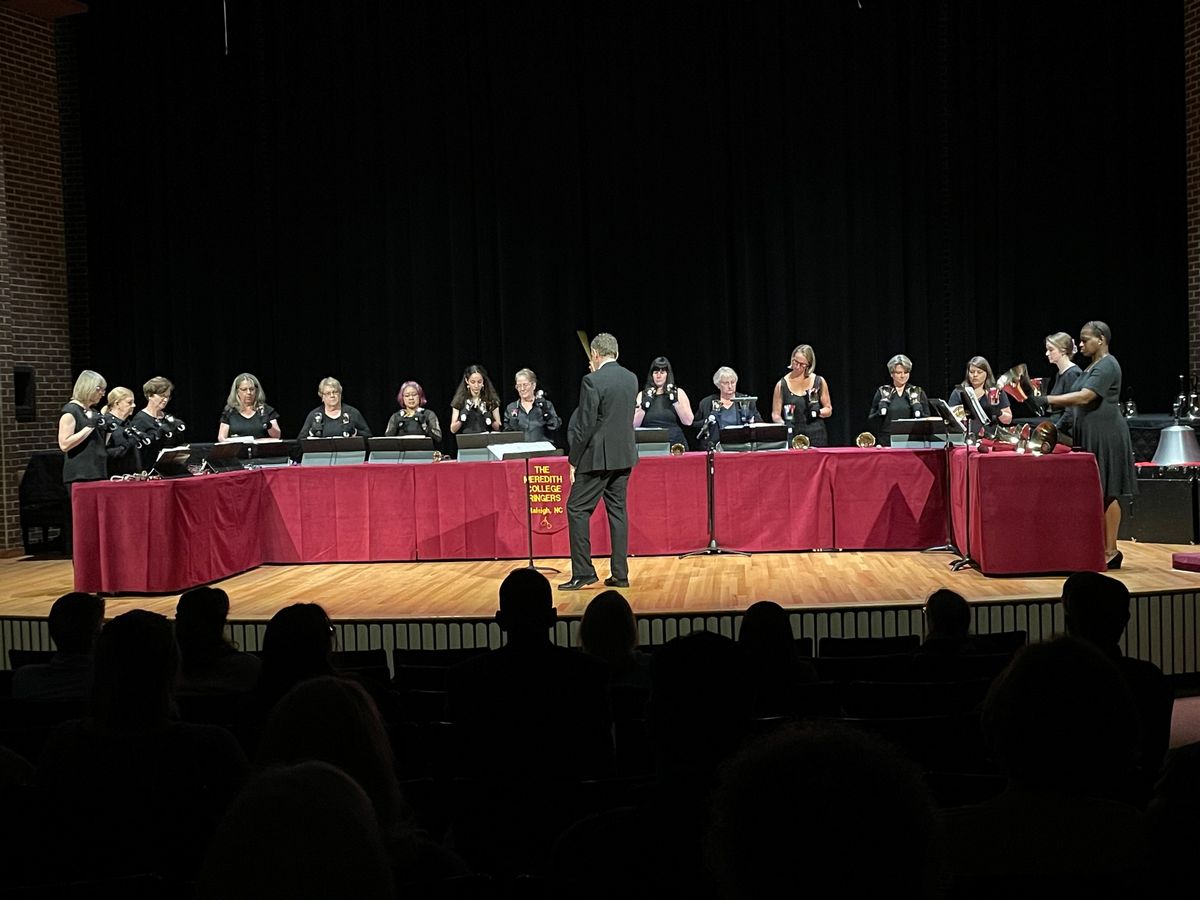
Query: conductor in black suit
{"type": "Point", "coordinates": [603, 454]}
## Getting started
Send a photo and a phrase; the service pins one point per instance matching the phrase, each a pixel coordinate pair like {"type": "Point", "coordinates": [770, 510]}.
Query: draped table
{"type": "Point", "coordinates": [166, 536]}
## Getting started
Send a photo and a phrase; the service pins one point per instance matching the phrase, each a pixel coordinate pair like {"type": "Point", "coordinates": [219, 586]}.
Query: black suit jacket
{"type": "Point", "coordinates": [601, 430]}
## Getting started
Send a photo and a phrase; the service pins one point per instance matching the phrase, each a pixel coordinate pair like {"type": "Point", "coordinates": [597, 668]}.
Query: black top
{"type": "Point", "coordinates": [257, 426]}
{"type": "Point", "coordinates": [161, 433]}
{"type": "Point", "coordinates": [887, 407]}
{"type": "Point", "coordinates": [124, 448]}
{"type": "Point", "coordinates": [540, 419]}
{"type": "Point", "coordinates": [660, 413]}
{"type": "Point", "coordinates": [1063, 417]}
{"type": "Point", "coordinates": [805, 417]}
{"type": "Point", "coordinates": [349, 424]}
{"type": "Point", "coordinates": [991, 410]}
{"type": "Point", "coordinates": [475, 420]}
{"type": "Point", "coordinates": [422, 423]}
{"type": "Point", "coordinates": [87, 460]}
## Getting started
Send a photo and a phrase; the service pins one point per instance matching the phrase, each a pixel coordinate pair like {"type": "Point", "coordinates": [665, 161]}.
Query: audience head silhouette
{"type": "Point", "coordinates": [608, 629]}
{"type": "Point", "coordinates": [200, 625]}
{"type": "Point", "coordinates": [311, 833]}
{"type": "Point", "coordinates": [135, 671]}
{"type": "Point", "coordinates": [336, 721]}
{"type": "Point", "coordinates": [788, 800]}
{"type": "Point", "coordinates": [298, 645]}
{"type": "Point", "coordinates": [526, 610]}
{"type": "Point", "coordinates": [1061, 718]}
{"type": "Point", "coordinates": [1096, 608]}
{"type": "Point", "coordinates": [75, 620]}
{"type": "Point", "coordinates": [767, 631]}
{"type": "Point", "coordinates": [947, 614]}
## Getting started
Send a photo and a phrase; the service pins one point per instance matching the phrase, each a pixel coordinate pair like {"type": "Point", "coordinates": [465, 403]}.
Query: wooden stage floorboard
{"type": "Point", "coordinates": [660, 585]}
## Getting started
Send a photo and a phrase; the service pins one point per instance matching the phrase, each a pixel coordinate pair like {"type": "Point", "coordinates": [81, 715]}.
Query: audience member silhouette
{"type": "Point", "coordinates": [209, 663]}
{"type": "Point", "coordinates": [74, 622]}
{"type": "Point", "coordinates": [304, 832]}
{"type": "Point", "coordinates": [336, 721]}
{"type": "Point", "coordinates": [1174, 815]}
{"type": "Point", "coordinates": [298, 645]}
{"type": "Point", "coordinates": [822, 812]}
{"type": "Point", "coordinates": [947, 624]}
{"type": "Point", "coordinates": [608, 631]}
{"type": "Point", "coordinates": [1096, 609]}
{"type": "Point", "coordinates": [133, 790]}
{"type": "Point", "coordinates": [773, 663]}
{"type": "Point", "coordinates": [1062, 726]}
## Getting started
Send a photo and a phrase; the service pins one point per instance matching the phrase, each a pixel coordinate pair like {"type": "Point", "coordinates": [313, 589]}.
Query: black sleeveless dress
{"type": "Point", "coordinates": [805, 418]}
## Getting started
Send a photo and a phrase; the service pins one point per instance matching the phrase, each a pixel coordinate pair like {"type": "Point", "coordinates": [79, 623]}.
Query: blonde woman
{"type": "Point", "coordinates": [246, 412]}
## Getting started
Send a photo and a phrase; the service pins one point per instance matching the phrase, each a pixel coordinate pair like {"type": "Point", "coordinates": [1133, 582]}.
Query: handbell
{"type": "Point", "coordinates": [1177, 446]}
{"type": "Point", "coordinates": [866, 439]}
{"type": "Point", "coordinates": [677, 449]}
{"type": "Point", "coordinates": [801, 442]}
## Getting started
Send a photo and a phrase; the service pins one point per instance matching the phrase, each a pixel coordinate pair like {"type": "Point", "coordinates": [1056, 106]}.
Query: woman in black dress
{"type": "Point", "coordinates": [125, 442]}
{"type": "Point", "coordinates": [84, 443]}
{"type": "Point", "coordinates": [994, 401]}
{"type": "Point", "coordinates": [413, 417]}
{"type": "Point", "coordinates": [801, 398]}
{"type": "Point", "coordinates": [246, 413]}
{"type": "Point", "coordinates": [663, 404]}
{"type": "Point", "coordinates": [476, 405]}
{"type": "Point", "coordinates": [1060, 351]}
{"type": "Point", "coordinates": [1101, 429]}
{"type": "Point", "coordinates": [898, 400]}
{"type": "Point", "coordinates": [333, 418]}
{"type": "Point", "coordinates": [531, 413]}
{"type": "Point", "coordinates": [153, 421]}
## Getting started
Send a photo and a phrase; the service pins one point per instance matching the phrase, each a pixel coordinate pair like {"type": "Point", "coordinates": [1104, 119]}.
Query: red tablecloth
{"type": "Point", "coordinates": [165, 536]}
{"type": "Point", "coordinates": [1029, 514]}
{"type": "Point", "coordinates": [203, 529]}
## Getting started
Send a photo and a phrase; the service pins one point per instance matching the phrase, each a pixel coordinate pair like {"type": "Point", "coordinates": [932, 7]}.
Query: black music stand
{"type": "Point", "coordinates": [966, 561]}
{"type": "Point", "coordinates": [475, 447]}
{"type": "Point", "coordinates": [172, 462]}
{"type": "Point", "coordinates": [267, 452]}
{"type": "Point", "coordinates": [949, 430]}
{"type": "Point", "coordinates": [224, 457]}
{"type": "Point", "coordinates": [333, 451]}
{"type": "Point", "coordinates": [528, 455]}
{"type": "Point", "coordinates": [710, 443]}
{"type": "Point", "coordinates": [410, 448]}
{"type": "Point", "coordinates": [652, 441]}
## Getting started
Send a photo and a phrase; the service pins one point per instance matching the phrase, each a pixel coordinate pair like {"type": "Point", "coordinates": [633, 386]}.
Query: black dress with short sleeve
{"type": "Point", "coordinates": [87, 460]}
{"type": "Point", "coordinates": [349, 424]}
{"type": "Point", "coordinates": [1102, 430]}
{"type": "Point", "coordinates": [256, 426]}
{"type": "Point", "coordinates": [661, 414]}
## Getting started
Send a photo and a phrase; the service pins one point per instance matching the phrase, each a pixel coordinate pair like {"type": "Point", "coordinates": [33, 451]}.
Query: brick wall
{"type": "Point", "coordinates": [33, 272]}
{"type": "Point", "coordinates": [1191, 40]}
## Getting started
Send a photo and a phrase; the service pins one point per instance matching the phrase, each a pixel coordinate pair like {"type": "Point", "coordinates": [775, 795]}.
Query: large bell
{"type": "Point", "coordinates": [1177, 446]}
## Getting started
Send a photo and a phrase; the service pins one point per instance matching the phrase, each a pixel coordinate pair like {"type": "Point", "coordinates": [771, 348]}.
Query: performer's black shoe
{"type": "Point", "coordinates": [613, 581]}
{"type": "Point", "coordinates": [1115, 562]}
{"type": "Point", "coordinates": [576, 583]}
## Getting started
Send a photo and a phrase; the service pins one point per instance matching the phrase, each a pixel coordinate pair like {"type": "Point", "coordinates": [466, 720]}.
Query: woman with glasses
{"type": "Point", "coordinates": [801, 398]}
{"type": "Point", "coordinates": [83, 441]}
{"type": "Point", "coordinates": [898, 400]}
{"type": "Point", "coordinates": [662, 403]}
{"type": "Point", "coordinates": [531, 413]}
{"type": "Point", "coordinates": [333, 418]}
{"type": "Point", "coordinates": [246, 413]}
{"type": "Point", "coordinates": [724, 409]}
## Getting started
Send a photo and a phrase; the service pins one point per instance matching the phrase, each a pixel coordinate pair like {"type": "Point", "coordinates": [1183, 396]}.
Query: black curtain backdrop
{"type": "Point", "coordinates": [391, 190]}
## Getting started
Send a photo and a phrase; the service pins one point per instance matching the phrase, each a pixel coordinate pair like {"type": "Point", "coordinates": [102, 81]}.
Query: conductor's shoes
{"type": "Point", "coordinates": [616, 582]}
{"type": "Point", "coordinates": [576, 583]}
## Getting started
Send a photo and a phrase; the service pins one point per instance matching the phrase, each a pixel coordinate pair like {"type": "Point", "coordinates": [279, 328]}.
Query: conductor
{"type": "Point", "coordinates": [602, 456]}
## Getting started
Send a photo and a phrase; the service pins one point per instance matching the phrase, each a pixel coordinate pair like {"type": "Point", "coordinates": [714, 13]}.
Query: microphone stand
{"type": "Point", "coordinates": [529, 528]}
{"type": "Point", "coordinates": [713, 548]}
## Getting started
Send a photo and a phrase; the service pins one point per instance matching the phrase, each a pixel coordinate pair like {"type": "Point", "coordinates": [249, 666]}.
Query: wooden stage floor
{"type": "Point", "coordinates": [660, 585]}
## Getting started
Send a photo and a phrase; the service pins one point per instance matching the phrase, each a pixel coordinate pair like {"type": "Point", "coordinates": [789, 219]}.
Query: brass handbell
{"type": "Point", "coordinates": [678, 449]}
{"type": "Point", "coordinates": [801, 442]}
{"type": "Point", "coordinates": [864, 440]}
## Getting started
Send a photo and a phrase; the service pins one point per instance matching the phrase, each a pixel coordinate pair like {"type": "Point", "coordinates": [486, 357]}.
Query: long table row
{"type": "Point", "coordinates": [1026, 515]}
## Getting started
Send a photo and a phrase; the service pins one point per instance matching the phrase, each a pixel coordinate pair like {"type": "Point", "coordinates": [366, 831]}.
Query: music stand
{"type": "Point", "coordinates": [753, 437]}
{"type": "Point", "coordinates": [269, 452]}
{"type": "Point", "coordinates": [533, 450]}
{"type": "Point", "coordinates": [474, 447]}
{"type": "Point", "coordinates": [710, 475]}
{"type": "Point", "coordinates": [915, 432]}
{"type": "Point", "coordinates": [172, 462]}
{"type": "Point", "coordinates": [411, 448]}
{"type": "Point", "coordinates": [652, 441]}
{"type": "Point", "coordinates": [333, 451]}
{"type": "Point", "coordinates": [223, 457]}
{"type": "Point", "coordinates": [965, 561]}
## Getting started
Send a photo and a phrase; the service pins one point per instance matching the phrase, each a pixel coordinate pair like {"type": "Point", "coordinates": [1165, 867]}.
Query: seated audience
{"type": "Point", "coordinates": [947, 624]}
{"type": "Point", "coordinates": [608, 632]}
{"type": "Point", "coordinates": [304, 832]}
{"type": "Point", "coordinates": [134, 791]}
{"type": "Point", "coordinates": [1096, 608]}
{"type": "Point", "coordinates": [1061, 724]}
{"type": "Point", "coordinates": [334, 720]}
{"type": "Point", "coordinates": [836, 811]}
{"type": "Point", "coordinates": [298, 645]}
{"type": "Point", "coordinates": [74, 624]}
{"type": "Point", "coordinates": [209, 663]}
{"type": "Point", "coordinates": [774, 667]}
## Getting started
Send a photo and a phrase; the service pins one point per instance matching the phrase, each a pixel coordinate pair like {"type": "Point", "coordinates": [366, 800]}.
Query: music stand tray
{"type": "Point", "coordinates": [224, 457]}
{"type": "Point", "coordinates": [923, 432]}
{"type": "Point", "coordinates": [474, 447]}
{"type": "Point", "coordinates": [173, 462]}
{"type": "Point", "coordinates": [753, 437]}
{"type": "Point", "coordinates": [652, 441]}
{"type": "Point", "coordinates": [524, 450]}
{"type": "Point", "coordinates": [410, 448]}
{"type": "Point", "coordinates": [954, 432]}
{"type": "Point", "coordinates": [269, 452]}
{"type": "Point", "coordinates": [333, 451]}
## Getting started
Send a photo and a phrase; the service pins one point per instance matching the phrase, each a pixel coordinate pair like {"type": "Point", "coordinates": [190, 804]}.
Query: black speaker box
{"type": "Point", "coordinates": [1163, 512]}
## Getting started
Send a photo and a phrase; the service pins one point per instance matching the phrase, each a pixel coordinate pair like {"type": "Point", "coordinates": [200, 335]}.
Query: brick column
{"type": "Point", "coordinates": [33, 271]}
